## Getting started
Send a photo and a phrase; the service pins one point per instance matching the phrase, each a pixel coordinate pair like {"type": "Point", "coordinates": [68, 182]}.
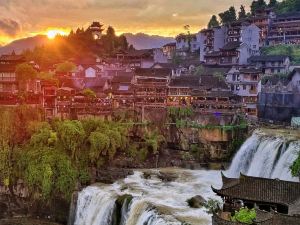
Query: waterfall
{"type": "Point", "coordinates": [266, 155]}
{"type": "Point", "coordinates": [147, 201]}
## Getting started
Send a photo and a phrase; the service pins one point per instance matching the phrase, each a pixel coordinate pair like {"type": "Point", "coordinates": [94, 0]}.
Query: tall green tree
{"type": "Point", "coordinates": [213, 22]}
{"type": "Point", "coordinates": [25, 73]}
{"type": "Point", "coordinates": [257, 5]}
{"type": "Point", "coordinates": [272, 3]}
{"type": "Point", "coordinates": [228, 16]}
{"type": "Point", "coordinates": [242, 12]}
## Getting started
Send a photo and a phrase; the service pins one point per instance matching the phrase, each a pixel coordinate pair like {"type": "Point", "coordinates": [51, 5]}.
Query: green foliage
{"type": "Point", "coordinates": [65, 67]}
{"type": "Point", "coordinates": [219, 75]}
{"type": "Point", "coordinates": [289, 50]}
{"type": "Point", "coordinates": [257, 5]}
{"type": "Point", "coordinates": [228, 16]}
{"type": "Point", "coordinates": [199, 70]}
{"type": "Point", "coordinates": [244, 215]}
{"type": "Point", "coordinates": [213, 22]}
{"type": "Point", "coordinates": [153, 140]}
{"type": "Point", "coordinates": [180, 112]}
{"type": "Point", "coordinates": [25, 72]}
{"type": "Point", "coordinates": [71, 135]}
{"type": "Point", "coordinates": [242, 13]}
{"type": "Point", "coordinates": [295, 168]}
{"type": "Point", "coordinates": [287, 6]}
{"type": "Point", "coordinates": [48, 172]}
{"type": "Point", "coordinates": [212, 206]}
{"type": "Point", "coordinates": [90, 94]}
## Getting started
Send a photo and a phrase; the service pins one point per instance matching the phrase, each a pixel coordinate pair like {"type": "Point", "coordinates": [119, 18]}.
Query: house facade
{"type": "Point", "coordinates": [244, 83]}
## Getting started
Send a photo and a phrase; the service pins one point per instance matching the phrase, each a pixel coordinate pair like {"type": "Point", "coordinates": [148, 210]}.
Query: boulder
{"type": "Point", "coordinates": [196, 201]}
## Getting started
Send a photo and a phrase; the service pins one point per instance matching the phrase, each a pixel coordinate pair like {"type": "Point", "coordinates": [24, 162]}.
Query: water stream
{"type": "Point", "coordinates": [157, 202]}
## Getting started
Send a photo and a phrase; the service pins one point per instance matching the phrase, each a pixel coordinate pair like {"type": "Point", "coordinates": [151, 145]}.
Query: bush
{"type": "Point", "coordinates": [244, 215]}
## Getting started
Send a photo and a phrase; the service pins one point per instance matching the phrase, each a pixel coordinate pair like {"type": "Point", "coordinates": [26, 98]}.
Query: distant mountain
{"type": "Point", "coordinates": [139, 41]}
{"type": "Point", "coordinates": [25, 43]}
{"type": "Point", "coordinates": [145, 41]}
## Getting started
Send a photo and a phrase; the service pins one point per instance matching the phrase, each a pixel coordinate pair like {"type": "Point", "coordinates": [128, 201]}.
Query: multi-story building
{"type": "Point", "coordinates": [244, 82]}
{"type": "Point", "coordinates": [122, 92]}
{"type": "Point", "coordinates": [169, 50]}
{"type": "Point", "coordinates": [245, 33]}
{"type": "Point", "coordinates": [232, 54]}
{"type": "Point", "coordinates": [211, 40]}
{"type": "Point", "coordinates": [285, 29]}
{"type": "Point", "coordinates": [262, 20]}
{"type": "Point", "coordinates": [271, 64]}
{"type": "Point", "coordinates": [150, 87]}
{"type": "Point", "coordinates": [8, 79]}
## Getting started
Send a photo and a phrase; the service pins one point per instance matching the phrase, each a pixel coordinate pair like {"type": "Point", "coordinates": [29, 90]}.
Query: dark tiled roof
{"type": "Point", "coordinates": [214, 69]}
{"type": "Point", "coordinates": [95, 82]}
{"type": "Point", "coordinates": [232, 45]}
{"type": "Point", "coordinates": [139, 53]}
{"type": "Point", "coordinates": [260, 190]}
{"type": "Point", "coordinates": [164, 72]}
{"type": "Point", "coordinates": [250, 70]}
{"type": "Point", "coordinates": [209, 82]}
{"type": "Point", "coordinates": [185, 81]}
{"type": "Point", "coordinates": [267, 58]}
{"type": "Point", "coordinates": [173, 44]}
{"type": "Point", "coordinates": [12, 57]}
{"type": "Point", "coordinates": [123, 77]}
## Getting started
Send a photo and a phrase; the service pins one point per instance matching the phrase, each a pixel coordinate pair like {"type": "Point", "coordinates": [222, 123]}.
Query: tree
{"type": "Point", "coordinates": [295, 168]}
{"type": "Point", "coordinates": [188, 36]}
{"type": "Point", "coordinates": [273, 3]}
{"type": "Point", "coordinates": [199, 70]}
{"type": "Point", "coordinates": [71, 135]}
{"type": "Point", "coordinates": [242, 12]}
{"type": "Point", "coordinates": [213, 22]}
{"type": "Point", "coordinates": [257, 5]}
{"type": "Point", "coordinates": [24, 74]}
{"type": "Point", "coordinates": [65, 67]}
{"type": "Point", "coordinates": [90, 94]}
{"type": "Point", "coordinates": [228, 16]}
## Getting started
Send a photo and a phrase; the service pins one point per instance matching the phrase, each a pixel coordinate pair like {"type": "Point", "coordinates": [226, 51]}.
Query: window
{"type": "Point", "coordinates": [237, 87]}
{"type": "Point", "coordinates": [244, 87]}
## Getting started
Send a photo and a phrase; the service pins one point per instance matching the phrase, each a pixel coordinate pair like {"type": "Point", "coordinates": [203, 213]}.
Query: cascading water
{"type": "Point", "coordinates": [266, 155]}
{"type": "Point", "coordinates": [147, 201]}
{"type": "Point", "coordinates": [138, 200]}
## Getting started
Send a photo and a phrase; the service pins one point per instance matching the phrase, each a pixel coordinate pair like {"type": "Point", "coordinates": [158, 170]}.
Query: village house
{"type": "Point", "coordinates": [211, 40]}
{"type": "Point", "coordinates": [244, 83]}
{"type": "Point", "coordinates": [169, 50]}
{"type": "Point", "coordinates": [232, 54]}
{"type": "Point", "coordinates": [271, 64]}
{"type": "Point", "coordinates": [276, 201]}
{"type": "Point", "coordinates": [285, 29]}
{"type": "Point", "coordinates": [122, 92]}
{"type": "Point", "coordinates": [150, 87]}
{"type": "Point", "coordinates": [136, 58]}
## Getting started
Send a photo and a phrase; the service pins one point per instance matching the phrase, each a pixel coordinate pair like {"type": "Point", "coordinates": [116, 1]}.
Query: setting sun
{"type": "Point", "coordinates": [53, 33]}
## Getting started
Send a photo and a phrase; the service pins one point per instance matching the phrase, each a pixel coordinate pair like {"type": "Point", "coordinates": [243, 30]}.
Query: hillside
{"type": "Point", "coordinates": [145, 41]}
{"type": "Point", "coordinates": [25, 43]}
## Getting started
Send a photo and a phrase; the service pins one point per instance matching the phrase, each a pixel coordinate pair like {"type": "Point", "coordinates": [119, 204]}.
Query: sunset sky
{"type": "Point", "coordinates": [23, 18]}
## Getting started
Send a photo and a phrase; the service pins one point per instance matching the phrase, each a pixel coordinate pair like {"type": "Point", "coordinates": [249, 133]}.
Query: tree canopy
{"type": "Point", "coordinates": [213, 22]}
{"type": "Point", "coordinates": [228, 16]}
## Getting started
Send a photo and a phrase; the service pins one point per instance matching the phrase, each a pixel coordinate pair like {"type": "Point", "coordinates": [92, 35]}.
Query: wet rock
{"type": "Point", "coordinates": [147, 175]}
{"type": "Point", "coordinates": [110, 175]}
{"type": "Point", "coordinates": [196, 201]}
{"type": "Point", "coordinates": [167, 177]}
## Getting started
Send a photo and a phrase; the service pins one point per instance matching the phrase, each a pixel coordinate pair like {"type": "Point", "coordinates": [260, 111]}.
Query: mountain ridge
{"type": "Point", "coordinates": [138, 40]}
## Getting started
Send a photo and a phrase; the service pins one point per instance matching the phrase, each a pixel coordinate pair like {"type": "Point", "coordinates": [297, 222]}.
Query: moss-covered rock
{"type": "Point", "coordinates": [196, 202]}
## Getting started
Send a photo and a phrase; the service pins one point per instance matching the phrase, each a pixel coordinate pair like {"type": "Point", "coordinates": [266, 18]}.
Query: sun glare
{"type": "Point", "coordinates": [53, 33]}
